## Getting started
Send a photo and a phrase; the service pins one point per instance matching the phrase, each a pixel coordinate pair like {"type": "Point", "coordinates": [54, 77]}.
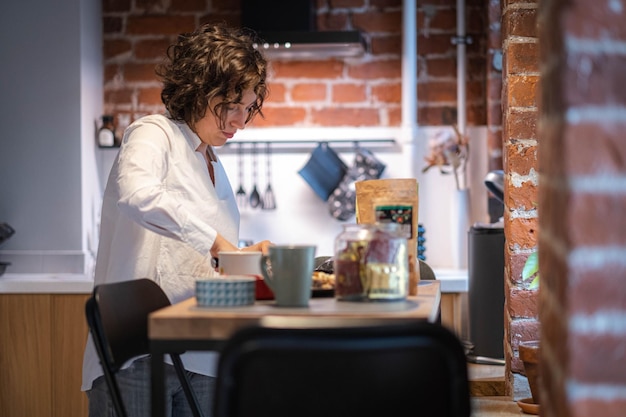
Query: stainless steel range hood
{"type": "Point", "coordinates": [287, 31]}
{"type": "Point", "coordinates": [312, 45]}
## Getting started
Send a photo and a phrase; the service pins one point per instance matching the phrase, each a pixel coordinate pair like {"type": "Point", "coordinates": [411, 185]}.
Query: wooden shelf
{"type": "Point", "coordinates": [486, 380]}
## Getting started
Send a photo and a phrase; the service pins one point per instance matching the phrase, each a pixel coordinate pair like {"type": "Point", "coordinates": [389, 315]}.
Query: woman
{"type": "Point", "coordinates": [168, 207]}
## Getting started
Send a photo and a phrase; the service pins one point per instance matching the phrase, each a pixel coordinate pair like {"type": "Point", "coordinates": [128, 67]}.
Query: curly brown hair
{"type": "Point", "coordinates": [213, 61]}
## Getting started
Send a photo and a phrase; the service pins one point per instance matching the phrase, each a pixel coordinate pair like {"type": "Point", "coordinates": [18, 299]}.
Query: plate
{"type": "Point", "coordinates": [528, 406]}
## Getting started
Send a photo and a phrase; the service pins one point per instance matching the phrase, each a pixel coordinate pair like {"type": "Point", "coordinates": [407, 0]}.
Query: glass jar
{"type": "Point", "coordinates": [350, 245]}
{"type": "Point", "coordinates": [106, 133]}
{"type": "Point", "coordinates": [386, 264]}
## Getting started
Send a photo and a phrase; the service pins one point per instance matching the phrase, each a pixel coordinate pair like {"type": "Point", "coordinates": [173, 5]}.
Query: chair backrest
{"type": "Point", "coordinates": [117, 315]}
{"type": "Point", "coordinates": [392, 370]}
{"type": "Point", "coordinates": [426, 272]}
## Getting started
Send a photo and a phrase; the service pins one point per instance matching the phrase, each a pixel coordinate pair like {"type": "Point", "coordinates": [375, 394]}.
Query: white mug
{"type": "Point", "coordinates": [240, 263]}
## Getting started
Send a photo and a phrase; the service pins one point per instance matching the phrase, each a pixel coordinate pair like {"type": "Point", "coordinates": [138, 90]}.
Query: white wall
{"type": "Point", "coordinates": [302, 217]}
{"type": "Point", "coordinates": [92, 76]}
{"type": "Point", "coordinates": [50, 78]}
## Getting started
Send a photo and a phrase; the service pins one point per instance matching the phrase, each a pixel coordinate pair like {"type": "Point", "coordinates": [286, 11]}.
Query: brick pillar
{"type": "Point", "coordinates": [582, 204]}
{"type": "Point", "coordinates": [520, 74]}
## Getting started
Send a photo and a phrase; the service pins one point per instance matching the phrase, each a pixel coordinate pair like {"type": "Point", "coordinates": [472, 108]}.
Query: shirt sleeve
{"type": "Point", "coordinates": [148, 196]}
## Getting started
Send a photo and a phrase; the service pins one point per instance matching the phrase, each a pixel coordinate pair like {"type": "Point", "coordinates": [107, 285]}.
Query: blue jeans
{"type": "Point", "coordinates": [135, 386]}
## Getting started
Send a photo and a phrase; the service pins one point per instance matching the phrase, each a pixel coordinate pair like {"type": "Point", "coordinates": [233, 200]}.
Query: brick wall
{"type": "Point", "coordinates": [582, 200]}
{"type": "Point", "coordinates": [520, 68]}
{"type": "Point", "coordinates": [563, 117]}
{"type": "Point", "coordinates": [436, 89]}
{"type": "Point", "coordinates": [355, 92]}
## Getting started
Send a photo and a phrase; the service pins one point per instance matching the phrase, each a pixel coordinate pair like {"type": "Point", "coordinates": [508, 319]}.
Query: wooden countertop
{"type": "Point", "coordinates": [186, 320]}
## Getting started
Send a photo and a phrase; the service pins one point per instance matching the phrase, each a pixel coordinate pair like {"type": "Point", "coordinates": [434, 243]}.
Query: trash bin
{"type": "Point", "coordinates": [486, 290]}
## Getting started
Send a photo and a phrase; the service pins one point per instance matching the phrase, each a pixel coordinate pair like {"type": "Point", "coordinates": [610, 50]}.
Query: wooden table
{"type": "Point", "coordinates": [186, 326]}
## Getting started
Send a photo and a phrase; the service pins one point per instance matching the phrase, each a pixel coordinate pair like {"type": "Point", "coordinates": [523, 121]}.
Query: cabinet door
{"type": "Point", "coordinates": [25, 356]}
{"type": "Point", "coordinates": [68, 343]}
{"type": "Point", "coordinates": [454, 313]}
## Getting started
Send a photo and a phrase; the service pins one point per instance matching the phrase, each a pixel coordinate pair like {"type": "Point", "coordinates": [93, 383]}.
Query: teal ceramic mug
{"type": "Point", "coordinates": [288, 271]}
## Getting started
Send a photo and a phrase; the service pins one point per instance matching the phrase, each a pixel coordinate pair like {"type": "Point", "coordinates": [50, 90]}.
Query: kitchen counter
{"type": "Point", "coordinates": [452, 281]}
{"type": "Point", "coordinates": [45, 284]}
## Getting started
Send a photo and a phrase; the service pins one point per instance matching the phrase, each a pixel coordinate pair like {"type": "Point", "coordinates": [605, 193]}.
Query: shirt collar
{"type": "Point", "coordinates": [190, 136]}
{"type": "Point", "coordinates": [193, 139]}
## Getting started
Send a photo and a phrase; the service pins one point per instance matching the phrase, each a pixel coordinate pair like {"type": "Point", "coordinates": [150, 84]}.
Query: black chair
{"type": "Point", "coordinates": [426, 272]}
{"type": "Point", "coordinates": [117, 316]}
{"type": "Point", "coordinates": [416, 369]}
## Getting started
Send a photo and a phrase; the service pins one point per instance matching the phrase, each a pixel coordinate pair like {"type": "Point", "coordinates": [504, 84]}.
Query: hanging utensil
{"type": "Point", "coordinates": [495, 183]}
{"type": "Point", "coordinates": [255, 197]}
{"type": "Point", "coordinates": [6, 232]}
{"type": "Point", "coordinates": [269, 200]}
{"type": "Point", "coordinates": [242, 200]}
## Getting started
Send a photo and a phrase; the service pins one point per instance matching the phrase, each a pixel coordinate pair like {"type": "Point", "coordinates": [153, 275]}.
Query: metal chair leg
{"type": "Point", "coordinates": [189, 392]}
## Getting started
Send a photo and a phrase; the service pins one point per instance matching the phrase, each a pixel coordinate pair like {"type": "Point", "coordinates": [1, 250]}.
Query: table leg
{"type": "Point", "coordinates": [158, 383]}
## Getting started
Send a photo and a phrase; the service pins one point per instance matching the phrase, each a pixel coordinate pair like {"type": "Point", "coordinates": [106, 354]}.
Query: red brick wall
{"type": "Point", "coordinates": [355, 92]}
{"type": "Point", "coordinates": [519, 131]}
{"type": "Point", "coordinates": [436, 61]}
{"type": "Point", "coordinates": [563, 117]}
{"type": "Point", "coordinates": [582, 200]}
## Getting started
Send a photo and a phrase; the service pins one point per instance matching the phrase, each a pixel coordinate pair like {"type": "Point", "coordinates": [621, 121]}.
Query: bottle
{"type": "Point", "coordinates": [386, 263]}
{"type": "Point", "coordinates": [350, 245]}
{"type": "Point", "coordinates": [106, 134]}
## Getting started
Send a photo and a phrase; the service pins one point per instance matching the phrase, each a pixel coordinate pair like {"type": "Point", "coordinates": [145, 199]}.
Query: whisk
{"type": "Point", "coordinates": [269, 200]}
{"type": "Point", "coordinates": [240, 195]}
{"type": "Point", "coordinates": [255, 196]}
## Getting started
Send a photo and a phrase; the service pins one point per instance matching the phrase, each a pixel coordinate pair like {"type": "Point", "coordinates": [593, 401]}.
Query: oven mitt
{"type": "Point", "coordinates": [342, 201]}
{"type": "Point", "coordinates": [324, 170]}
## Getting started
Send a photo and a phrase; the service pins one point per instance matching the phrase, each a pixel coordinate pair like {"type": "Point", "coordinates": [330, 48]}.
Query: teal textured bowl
{"type": "Point", "coordinates": [226, 291]}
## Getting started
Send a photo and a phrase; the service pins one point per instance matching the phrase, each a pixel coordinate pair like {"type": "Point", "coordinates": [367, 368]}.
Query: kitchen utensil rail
{"type": "Point", "coordinates": [305, 145]}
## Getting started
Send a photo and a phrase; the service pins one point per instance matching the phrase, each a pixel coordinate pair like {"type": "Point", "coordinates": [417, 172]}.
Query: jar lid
{"type": "Point", "coordinates": [389, 227]}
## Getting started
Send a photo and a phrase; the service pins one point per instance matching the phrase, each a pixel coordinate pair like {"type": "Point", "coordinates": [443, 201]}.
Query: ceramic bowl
{"type": "Point", "coordinates": [226, 291]}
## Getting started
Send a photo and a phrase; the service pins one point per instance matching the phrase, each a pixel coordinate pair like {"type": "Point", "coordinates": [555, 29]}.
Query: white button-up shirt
{"type": "Point", "coordinates": [160, 216]}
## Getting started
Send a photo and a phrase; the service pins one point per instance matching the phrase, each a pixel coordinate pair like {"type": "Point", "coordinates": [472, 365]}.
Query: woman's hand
{"type": "Point", "coordinates": [262, 246]}
{"type": "Point", "coordinates": [222, 245]}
